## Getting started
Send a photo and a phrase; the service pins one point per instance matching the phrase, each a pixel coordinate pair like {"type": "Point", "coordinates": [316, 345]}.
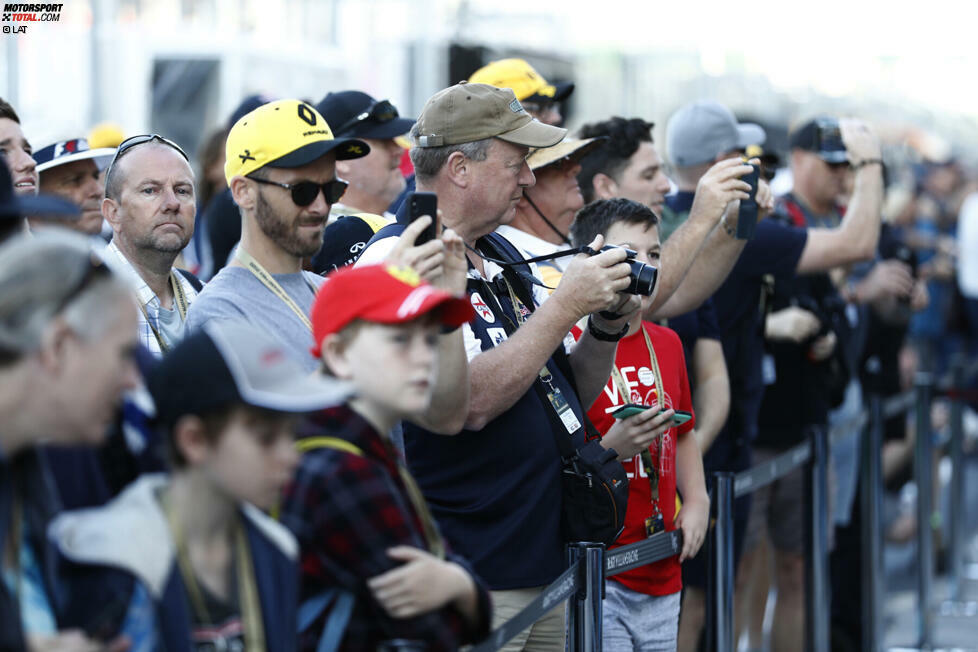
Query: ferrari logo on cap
{"type": "Point", "coordinates": [246, 157]}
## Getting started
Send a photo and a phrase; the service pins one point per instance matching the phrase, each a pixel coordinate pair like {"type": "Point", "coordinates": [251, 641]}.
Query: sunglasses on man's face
{"type": "Point", "coordinates": [381, 111]}
{"type": "Point", "coordinates": [305, 192]}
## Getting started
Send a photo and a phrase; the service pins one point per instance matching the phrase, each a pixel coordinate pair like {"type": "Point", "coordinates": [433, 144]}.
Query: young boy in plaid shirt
{"type": "Point", "coordinates": [360, 519]}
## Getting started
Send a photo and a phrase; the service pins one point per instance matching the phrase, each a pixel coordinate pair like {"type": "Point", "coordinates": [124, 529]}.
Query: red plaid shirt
{"type": "Point", "coordinates": [346, 510]}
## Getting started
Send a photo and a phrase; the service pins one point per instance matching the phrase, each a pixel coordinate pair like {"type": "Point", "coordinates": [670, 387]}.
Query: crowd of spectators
{"type": "Point", "coordinates": [248, 402]}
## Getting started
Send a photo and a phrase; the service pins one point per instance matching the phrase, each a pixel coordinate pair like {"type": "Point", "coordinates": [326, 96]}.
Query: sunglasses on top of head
{"type": "Point", "coordinates": [305, 192]}
{"type": "Point", "coordinates": [135, 141]}
{"type": "Point", "coordinates": [380, 111]}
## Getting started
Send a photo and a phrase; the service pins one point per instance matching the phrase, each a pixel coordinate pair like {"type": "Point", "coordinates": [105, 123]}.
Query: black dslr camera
{"type": "Point", "coordinates": [641, 278]}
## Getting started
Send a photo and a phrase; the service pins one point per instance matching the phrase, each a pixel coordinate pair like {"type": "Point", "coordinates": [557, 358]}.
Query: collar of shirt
{"type": "Point", "coordinates": [144, 293]}
{"type": "Point", "coordinates": [532, 246]}
{"type": "Point", "coordinates": [345, 423]}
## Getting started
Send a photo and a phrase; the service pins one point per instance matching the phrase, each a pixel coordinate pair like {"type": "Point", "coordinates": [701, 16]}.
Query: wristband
{"type": "Point", "coordinates": [870, 161]}
{"type": "Point", "coordinates": [602, 336]}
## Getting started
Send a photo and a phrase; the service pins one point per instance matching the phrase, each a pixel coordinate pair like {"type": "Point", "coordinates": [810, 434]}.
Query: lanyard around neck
{"type": "Point", "coordinates": [248, 600]}
{"type": "Point", "coordinates": [269, 282]}
{"type": "Point", "coordinates": [651, 468]}
{"type": "Point", "coordinates": [180, 299]}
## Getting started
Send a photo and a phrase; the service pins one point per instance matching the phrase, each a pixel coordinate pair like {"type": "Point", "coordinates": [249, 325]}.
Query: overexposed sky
{"type": "Point", "coordinates": [923, 51]}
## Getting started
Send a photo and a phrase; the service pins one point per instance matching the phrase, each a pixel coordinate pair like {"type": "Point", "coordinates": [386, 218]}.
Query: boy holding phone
{"type": "Point", "coordinates": [186, 562]}
{"type": "Point", "coordinates": [644, 413]}
{"type": "Point", "coordinates": [361, 521]}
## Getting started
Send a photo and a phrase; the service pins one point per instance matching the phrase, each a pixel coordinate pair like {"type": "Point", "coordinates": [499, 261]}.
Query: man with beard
{"type": "Point", "coordinates": [70, 169]}
{"type": "Point", "coordinates": [281, 169]}
{"type": "Point", "coordinates": [150, 205]}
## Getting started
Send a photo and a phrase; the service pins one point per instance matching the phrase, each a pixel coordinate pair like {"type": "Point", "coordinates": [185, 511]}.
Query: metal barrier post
{"type": "Point", "coordinates": [956, 517]}
{"type": "Point", "coordinates": [584, 612]}
{"type": "Point", "coordinates": [817, 544]}
{"type": "Point", "coordinates": [575, 611]}
{"type": "Point", "coordinates": [870, 496]}
{"type": "Point", "coordinates": [923, 475]}
{"type": "Point", "coordinates": [720, 586]}
{"type": "Point", "coordinates": [594, 600]}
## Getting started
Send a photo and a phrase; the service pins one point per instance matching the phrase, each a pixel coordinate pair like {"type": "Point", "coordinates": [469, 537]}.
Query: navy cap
{"type": "Point", "coordinates": [345, 239]}
{"type": "Point", "coordinates": [821, 136]}
{"type": "Point", "coordinates": [69, 151]}
{"type": "Point", "coordinates": [13, 207]}
{"type": "Point", "coordinates": [357, 114]}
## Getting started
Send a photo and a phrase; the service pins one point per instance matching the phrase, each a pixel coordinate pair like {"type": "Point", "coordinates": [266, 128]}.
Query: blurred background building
{"type": "Point", "coordinates": [180, 66]}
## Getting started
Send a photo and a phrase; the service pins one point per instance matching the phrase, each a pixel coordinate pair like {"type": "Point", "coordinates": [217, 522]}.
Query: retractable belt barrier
{"type": "Point", "coordinates": [580, 582]}
{"type": "Point", "coordinates": [656, 548]}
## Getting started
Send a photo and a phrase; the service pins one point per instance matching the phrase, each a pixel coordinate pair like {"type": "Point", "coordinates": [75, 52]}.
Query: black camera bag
{"type": "Point", "coordinates": [594, 483]}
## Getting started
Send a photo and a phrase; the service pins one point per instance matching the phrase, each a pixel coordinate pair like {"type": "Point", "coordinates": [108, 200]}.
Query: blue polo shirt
{"type": "Point", "coordinates": [775, 249]}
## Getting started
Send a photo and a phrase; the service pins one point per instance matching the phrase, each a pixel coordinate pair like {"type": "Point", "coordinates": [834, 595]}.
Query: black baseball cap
{"type": "Point", "coordinates": [345, 239]}
{"type": "Point", "coordinates": [358, 115]}
{"type": "Point", "coordinates": [225, 364]}
{"type": "Point", "coordinates": [821, 136]}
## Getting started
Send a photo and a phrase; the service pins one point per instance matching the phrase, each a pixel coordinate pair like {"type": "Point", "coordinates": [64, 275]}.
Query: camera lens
{"type": "Point", "coordinates": [641, 279]}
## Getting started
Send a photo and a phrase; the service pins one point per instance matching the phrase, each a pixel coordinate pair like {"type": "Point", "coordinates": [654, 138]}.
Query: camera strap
{"type": "Point", "coordinates": [536, 259]}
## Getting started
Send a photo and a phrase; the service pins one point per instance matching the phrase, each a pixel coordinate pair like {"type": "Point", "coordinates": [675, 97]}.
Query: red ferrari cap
{"type": "Point", "coordinates": [382, 294]}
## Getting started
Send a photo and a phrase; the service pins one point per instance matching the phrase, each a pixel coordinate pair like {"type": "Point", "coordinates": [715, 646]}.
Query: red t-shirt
{"type": "Point", "coordinates": [635, 365]}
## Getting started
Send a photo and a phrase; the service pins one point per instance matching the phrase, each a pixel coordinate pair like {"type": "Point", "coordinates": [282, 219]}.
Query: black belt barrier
{"type": "Point", "coordinates": [571, 581]}
{"type": "Point", "coordinates": [581, 582]}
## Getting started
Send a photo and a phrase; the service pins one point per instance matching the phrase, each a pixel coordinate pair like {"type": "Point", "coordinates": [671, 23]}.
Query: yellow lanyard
{"type": "Point", "coordinates": [179, 298]}
{"type": "Point", "coordinates": [651, 468]}
{"type": "Point", "coordinates": [436, 545]}
{"type": "Point", "coordinates": [269, 282]}
{"type": "Point", "coordinates": [248, 600]}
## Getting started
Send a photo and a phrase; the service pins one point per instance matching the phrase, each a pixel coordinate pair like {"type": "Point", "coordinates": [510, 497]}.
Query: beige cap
{"type": "Point", "coordinates": [572, 148]}
{"type": "Point", "coordinates": [465, 113]}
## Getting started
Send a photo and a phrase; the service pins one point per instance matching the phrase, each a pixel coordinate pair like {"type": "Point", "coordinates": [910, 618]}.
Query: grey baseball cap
{"type": "Point", "coordinates": [226, 363]}
{"type": "Point", "coordinates": [697, 132]}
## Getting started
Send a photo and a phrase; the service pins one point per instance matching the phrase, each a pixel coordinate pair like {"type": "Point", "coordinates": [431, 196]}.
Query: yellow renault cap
{"type": "Point", "coordinates": [525, 82]}
{"type": "Point", "coordinates": [284, 134]}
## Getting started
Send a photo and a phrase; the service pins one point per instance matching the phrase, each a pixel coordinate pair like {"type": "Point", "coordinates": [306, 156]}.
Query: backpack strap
{"type": "Point", "coordinates": [195, 282]}
{"type": "Point", "coordinates": [339, 617]}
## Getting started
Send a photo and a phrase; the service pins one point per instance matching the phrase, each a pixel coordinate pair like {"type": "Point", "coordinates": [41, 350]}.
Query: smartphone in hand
{"type": "Point", "coordinates": [424, 203]}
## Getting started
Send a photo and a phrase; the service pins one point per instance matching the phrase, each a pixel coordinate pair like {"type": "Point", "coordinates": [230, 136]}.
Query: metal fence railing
{"type": "Point", "coordinates": [582, 584]}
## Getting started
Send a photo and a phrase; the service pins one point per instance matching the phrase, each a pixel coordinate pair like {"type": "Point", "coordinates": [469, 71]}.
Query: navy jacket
{"type": "Point", "coordinates": [115, 554]}
{"type": "Point", "coordinates": [26, 474]}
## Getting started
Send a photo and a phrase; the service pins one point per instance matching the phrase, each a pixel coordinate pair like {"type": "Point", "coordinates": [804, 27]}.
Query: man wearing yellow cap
{"type": "Point", "coordinates": [280, 167]}
{"type": "Point", "coordinates": [539, 97]}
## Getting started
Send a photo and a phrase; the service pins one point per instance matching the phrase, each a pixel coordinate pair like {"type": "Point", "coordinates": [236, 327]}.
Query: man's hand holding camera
{"type": "Point", "coordinates": [592, 284]}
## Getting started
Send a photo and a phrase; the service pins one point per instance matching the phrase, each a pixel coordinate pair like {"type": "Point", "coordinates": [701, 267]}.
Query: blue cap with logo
{"type": "Point", "coordinates": [69, 151]}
